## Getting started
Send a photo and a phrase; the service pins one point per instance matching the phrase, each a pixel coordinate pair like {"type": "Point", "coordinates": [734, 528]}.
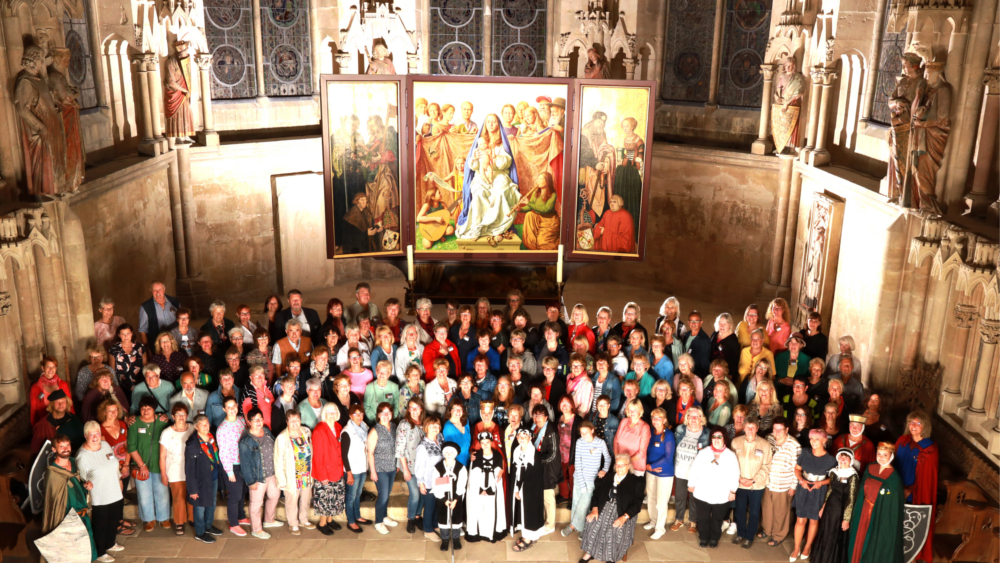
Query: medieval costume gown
{"type": "Point", "coordinates": [831, 540]}
{"type": "Point", "coordinates": [877, 521]}
{"type": "Point", "coordinates": [485, 502]}
{"type": "Point", "coordinates": [918, 468]}
{"type": "Point", "coordinates": [64, 492]}
{"type": "Point", "coordinates": [459, 476]}
{"type": "Point", "coordinates": [528, 512]}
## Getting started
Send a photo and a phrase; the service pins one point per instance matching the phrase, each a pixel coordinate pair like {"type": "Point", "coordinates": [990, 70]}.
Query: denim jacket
{"type": "Point", "coordinates": [250, 460]}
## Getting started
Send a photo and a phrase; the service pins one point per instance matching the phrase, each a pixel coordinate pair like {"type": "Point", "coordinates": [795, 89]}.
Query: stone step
{"type": "Point", "coordinates": [397, 507]}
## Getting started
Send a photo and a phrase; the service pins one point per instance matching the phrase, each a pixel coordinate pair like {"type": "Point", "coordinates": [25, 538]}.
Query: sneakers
{"type": "Point", "coordinates": [308, 525]}
{"type": "Point", "coordinates": [380, 528]}
{"type": "Point", "coordinates": [296, 532]}
{"type": "Point", "coordinates": [237, 531]}
{"type": "Point", "coordinates": [116, 547]}
{"type": "Point", "coordinates": [389, 522]}
{"type": "Point", "coordinates": [649, 525]}
{"type": "Point", "coordinates": [566, 531]}
{"type": "Point", "coordinates": [275, 524]}
{"type": "Point", "coordinates": [732, 528]}
{"type": "Point", "coordinates": [205, 538]}
{"type": "Point", "coordinates": [214, 531]}
{"type": "Point", "coordinates": [693, 529]}
{"type": "Point", "coordinates": [657, 534]}
{"type": "Point", "coordinates": [677, 525]}
{"type": "Point", "coordinates": [547, 531]}
{"type": "Point", "coordinates": [262, 535]}
{"type": "Point", "coordinates": [105, 558]}
{"type": "Point", "coordinates": [245, 522]}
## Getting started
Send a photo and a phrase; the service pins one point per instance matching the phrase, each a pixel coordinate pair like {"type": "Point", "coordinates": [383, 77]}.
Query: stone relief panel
{"type": "Point", "coordinates": [287, 47]}
{"type": "Point", "coordinates": [819, 272]}
{"type": "Point", "coordinates": [456, 37]}
{"type": "Point", "coordinates": [519, 38]}
{"type": "Point", "coordinates": [687, 57]}
{"type": "Point", "coordinates": [81, 64]}
{"type": "Point", "coordinates": [229, 30]}
{"type": "Point", "coordinates": [743, 44]}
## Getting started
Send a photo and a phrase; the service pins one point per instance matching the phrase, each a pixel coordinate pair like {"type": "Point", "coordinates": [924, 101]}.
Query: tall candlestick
{"type": "Point", "coordinates": [409, 262]}
{"type": "Point", "coordinates": [559, 265]}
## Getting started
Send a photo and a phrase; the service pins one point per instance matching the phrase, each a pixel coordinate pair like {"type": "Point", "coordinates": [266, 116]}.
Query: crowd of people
{"type": "Point", "coordinates": [492, 421]}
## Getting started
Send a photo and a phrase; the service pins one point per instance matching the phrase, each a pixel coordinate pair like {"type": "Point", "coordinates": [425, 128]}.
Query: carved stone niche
{"type": "Point", "coordinates": [377, 23]}
{"type": "Point", "coordinates": [594, 30]}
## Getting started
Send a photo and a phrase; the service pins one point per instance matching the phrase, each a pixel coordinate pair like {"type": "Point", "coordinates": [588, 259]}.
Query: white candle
{"type": "Point", "coordinates": [559, 263]}
{"type": "Point", "coordinates": [409, 262]}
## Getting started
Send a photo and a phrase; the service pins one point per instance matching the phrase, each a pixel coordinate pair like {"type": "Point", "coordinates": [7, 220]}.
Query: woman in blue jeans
{"type": "Point", "coordinates": [428, 454]}
{"type": "Point", "coordinates": [353, 446]}
{"type": "Point", "coordinates": [201, 468]}
{"type": "Point", "coordinates": [408, 436]}
{"type": "Point", "coordinates": [382, 464]}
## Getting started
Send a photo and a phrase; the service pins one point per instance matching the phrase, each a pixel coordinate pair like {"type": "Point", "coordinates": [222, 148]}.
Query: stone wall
{"type": "Point", "coordinates": [127, 229]}
{"type": "Point", "coordinates": [711, 225]}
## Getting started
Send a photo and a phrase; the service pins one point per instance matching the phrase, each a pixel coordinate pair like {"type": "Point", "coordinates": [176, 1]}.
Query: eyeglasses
{"type": "Point", "coordinates": [717, 438]}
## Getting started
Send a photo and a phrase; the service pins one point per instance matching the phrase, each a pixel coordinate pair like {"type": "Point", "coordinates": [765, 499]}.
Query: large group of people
{"type": "Point", "coordinates": [492, 421]}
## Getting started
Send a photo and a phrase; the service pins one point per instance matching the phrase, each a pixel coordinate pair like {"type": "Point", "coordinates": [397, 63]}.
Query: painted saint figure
{"type": "Point", "coordinates": [786, 105]}
{"type": "Point", "coordinates": [177, 98]}
{"type": "Point", "coordinates": [628, 174]}
{"type": "Point", "coordinates": [362, 229]}
{"type": "Point", "coordinates": [380, 62]}
{"type": "Point", "coordinates": [541, 222]}
{"type": "Point", "coordinates": [67, 98]}
{"type": "Point", "coordinates": [41, 124]}
{"type": "Point", "coordinates": [929, 130]}
{"type": "Point", "coordinates": [383, 186]}
{"type": "Point", "coordinates": [349, 176]}
{"type": "Point", "coordinates": [489, 191]}
{"type": "Point", "coordinates": [900, 104]}
{"type": "Point", "coordinates": [597, 66]}
{"type": "Point", "coordinates": [615, 232]}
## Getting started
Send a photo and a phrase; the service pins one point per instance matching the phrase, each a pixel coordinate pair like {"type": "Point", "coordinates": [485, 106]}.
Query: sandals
{"type": "Point", "coordinates": [522, 545]}
{"type": "Point", "coordinates": [773, 543]}
{"type": "Point", "coordinates": [124, 531]}
{"type": "Point", "coordinates": [179, 529]}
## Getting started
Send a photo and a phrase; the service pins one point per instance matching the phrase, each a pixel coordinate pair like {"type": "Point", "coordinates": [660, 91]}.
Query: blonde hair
{"type": "Point", "coordinates": [663, 384]}
{"type": "Point", "coordinates": [583, 312]}
{"type": "Point", "coordinates": [766, 383]}
{"type": "Point", "coordinates": [780, 302]}
{"type": "Point", "coordinates": [925, 420]}
{"type": "Point", "coordinates": [631, 304]}
{"type": "Point", "coordinates": [167, 335]}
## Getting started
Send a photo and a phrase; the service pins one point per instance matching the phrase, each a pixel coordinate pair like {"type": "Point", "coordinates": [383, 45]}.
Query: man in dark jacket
{"type": "Point", "coordinates": [698, 344]}
{"type": "Point", "coordinates": [547, 453]}
{"type": "Point", "coordinates": [308, 317]}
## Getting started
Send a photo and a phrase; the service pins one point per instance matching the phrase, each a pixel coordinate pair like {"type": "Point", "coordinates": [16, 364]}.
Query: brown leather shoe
{"type": "Point", "coordinates": [677, 525]}
{"type": "Point", "coordinates": [165, 524]}
{"type": "Point", "coordinates": [149, 526]}
{"type": "Point", "coordinates": [693, 529]}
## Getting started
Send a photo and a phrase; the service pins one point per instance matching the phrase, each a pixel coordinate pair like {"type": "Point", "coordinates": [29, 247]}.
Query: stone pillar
{"type": "Point", "coordinates": [817, 83]}
{"type": "Point", "coordinates": [10, 340]}
{"type": "Point", "coordinates": [989, 332]}
{"type": "Point", "coordinates": [50, 292]}
{"type": "Point", "coordinates": [934, 320]}
{"type": "Point", "coordinates": [258, 49]}
{"type": "Point", "coordinates": [764, 144]}
{"type": "Point", "coordinates": [191, 290]}
{"type": "Point", "coordinates": [77, 277]}
{"type": "Point", "coordinates": [94, 36]}
{"type": "Point", "coordinates": [563, 67]}
{"type": "Point", "coordinates": [873, 55]}
{"type": "Point", "coordinates": [630, 65]}
{"type": "Point", "coordinates": [713, 84]}
{"type": "Point", "coordinates": [784, 187]}
{"type": "Point", "coordinates": [177, 217]}
{"type": "Point", "coordinates": [152, 61]}
{"type": "Point", "coordinates": [956, 339]}
{"type": "Point", "coordinates": [977, 201]}
{"type": "Point", "coordinates": [29, 310]}
{"type": "Point", "coordinates": [148, 144]}
{"type": "Point", "coordinates": [915, 312]}
{"type": "Point", "coordinates": [488, 39]}
{"type": "Point", "coordinates": [791, 226]}
{"type": "Point", "coordinates": [820, 155]}
{"type": "Point", "coordinates": [208, 136]}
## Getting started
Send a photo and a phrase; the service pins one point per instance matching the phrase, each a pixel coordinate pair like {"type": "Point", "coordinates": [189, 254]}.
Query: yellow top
{"type": "Point", "coordinates": [748, 361]}
{"type": "Point", "coordinates": [743, 333]}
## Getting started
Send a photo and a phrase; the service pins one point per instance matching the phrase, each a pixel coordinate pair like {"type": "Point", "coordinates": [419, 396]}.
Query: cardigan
{"type": "Point", "coordinates": [634, 441]}
{"type": "Point", "coordinates": [327, 462]}
{"type": "Point", "coordinates": [284, 459]}
{"type": "Point", "coordinates": [631, 490]}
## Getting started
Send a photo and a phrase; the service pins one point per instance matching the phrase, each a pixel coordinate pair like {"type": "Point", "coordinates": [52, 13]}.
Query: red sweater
{"type": "Point", "coordinates": [432, 352]}
{"type": "Point", "coordinates": [582, 330]}
{"type": "Point", "coordinates": [327, 462]}
{"type": "Point", "coordinates": [40, 399]}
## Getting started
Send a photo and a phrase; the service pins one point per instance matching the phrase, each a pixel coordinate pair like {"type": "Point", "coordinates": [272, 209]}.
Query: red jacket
{"type": "Point", "coordinates": [327, 462]}
{"type": "Point", "coordinates": [432, 352]}
{"type": "Point", "coordinates": [40, 399]}
{"type": "Point", "coordinates": [583, 330]}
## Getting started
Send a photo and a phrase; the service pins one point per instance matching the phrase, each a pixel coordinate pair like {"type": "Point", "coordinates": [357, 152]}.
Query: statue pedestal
{"type": "Point", "coordinates": [819, 157]}
{"type": "Point", "coordinates": [208, 138]}
{"type": "Point", "coordinates": [151, 147]}
{"type": "Point", "coordinates": [762, 146]}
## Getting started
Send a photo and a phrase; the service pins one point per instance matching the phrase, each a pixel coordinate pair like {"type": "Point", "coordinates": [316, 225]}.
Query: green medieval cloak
{"type": "Point", "coordinates": [883, 539]}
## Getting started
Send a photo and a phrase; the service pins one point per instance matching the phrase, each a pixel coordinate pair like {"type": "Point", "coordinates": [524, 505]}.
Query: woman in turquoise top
{"type": "Point", "coordinates": [457, 430]}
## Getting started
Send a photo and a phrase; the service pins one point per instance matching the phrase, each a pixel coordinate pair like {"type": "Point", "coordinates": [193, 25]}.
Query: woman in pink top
{"type": "Point", "coordinates": [579, 385]}
{"type": "Point", "coordinates": [359, 374]}
{"type": "Point", "coordinates": [778, 326]}
{"type": "Point", "coordinates": [632, 438]}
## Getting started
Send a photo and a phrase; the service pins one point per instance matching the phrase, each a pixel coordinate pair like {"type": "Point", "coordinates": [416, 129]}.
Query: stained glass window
{"type": "Point", "coordinates": [456, 37]}
{"type": "Point", "coordinates": [229, 30]}
{"type": "Point", "coordinates": [890, 67]}
{"type": "Point", "coordinates": [518, 38]}
{"type": "Point", "coordinates": [687, 57]}
{"type": "Point", "coordinates": [744, 41]}
{"type": "Point", "coordinates": [287, 47]}
{"type": "Point", "coordinates": [81, 64]}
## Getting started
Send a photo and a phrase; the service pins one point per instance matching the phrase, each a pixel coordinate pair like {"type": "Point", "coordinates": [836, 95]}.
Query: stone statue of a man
{"type": "Point", "coordinates": [786, 105]}
{"type": "Point", "coordinates": [177, 98]}
{"type": "Point", "coordinates": [900, 103]}
{"type": "Point", "coordinates": [41, 125]}
{"type": "Point", "coordinates": [380, 63]}
{"type": "Point", "coordinates": [930, 127]}
{"type": "Point", "coordinates": [67, 98]}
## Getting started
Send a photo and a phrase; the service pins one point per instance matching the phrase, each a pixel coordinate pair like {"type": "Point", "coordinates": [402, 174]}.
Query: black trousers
{"type": "Point", "coordinates": [104, 521]}
{"type": "Point", "coordinates": [235, 509]}
{"type": "Point", "coordinates": [710, 518]}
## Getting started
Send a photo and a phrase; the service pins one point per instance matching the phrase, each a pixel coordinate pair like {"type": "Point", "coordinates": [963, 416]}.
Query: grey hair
{"type": "Point", "coordinates": [671, 299]}
{"type": "Point", "coordinates": [424, 303]}
{"type": "Point", "coordinates": [291, 323]}
{"type": "Point", "coordinates": [151, 368]}
{"type": "Point", "coordinates": [411, 326]}
{"type": "Point", "coordinates": [254, 370]}
{"type": "Point", "coordinates": [91, 427]}
{"type": "Point", "coordinates": [235, 330]}
{"type": "Point", "coordinates": [313, 383]}
{"type": "Point", "coordinates": [351, 327]}
{"type": "Point", "coordinates": [105, 301]}
{"type": "Point", "coordinates": [626, 458]}
{"type": "Point", "coordinates": [327, 408]}
{"type": "Point", "coordinates": [217, 304]}
{"type": "Point", "coordinates": [849, 340]}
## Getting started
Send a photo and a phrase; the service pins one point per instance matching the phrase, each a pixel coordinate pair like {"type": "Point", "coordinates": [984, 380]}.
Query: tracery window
{"type": "Point", "coordinates": [287, 47]}
{"type": "Point", "coordinates": [744, 41]}
{"type": "Point", "coordinates": [687, 54]}
{"type": "Point", "coordinates": [229, 31]}
{"type": "Point", "coordinates": [519, 38]}
{"type": "Point", "coordinates": [890, 66]}
{"type": "Point", "coordinates": [81, 63]}
{"type": "Point", "coordinates": [456, 37]}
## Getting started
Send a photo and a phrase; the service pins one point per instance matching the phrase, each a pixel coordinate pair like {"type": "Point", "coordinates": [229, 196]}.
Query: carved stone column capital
{"type": "Point", "coordinates": [992, 81]}
{"type": "Point", "coordinates": [768, 70]}
{"type": "Point", "coordinates": [966, 315]}
{"type": "Point", "coordinates": [989, 331]}
{"type": "Point", "coordinates": [824, 75]}
{"type": "Point", "coordinates": [151, 61]}
{"type": "Point", "coordinates": [203, 60]}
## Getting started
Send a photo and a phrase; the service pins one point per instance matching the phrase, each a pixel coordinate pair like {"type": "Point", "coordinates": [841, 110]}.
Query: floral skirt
{"type": "Point", "coordinates": [329, 499]}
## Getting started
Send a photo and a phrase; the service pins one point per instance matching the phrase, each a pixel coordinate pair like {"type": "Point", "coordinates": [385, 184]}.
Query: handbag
{"type": "Point", "coordinates": [136, 471]}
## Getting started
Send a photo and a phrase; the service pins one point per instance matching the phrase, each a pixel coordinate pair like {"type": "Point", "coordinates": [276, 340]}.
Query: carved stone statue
{"type": "Point", "coordinates": [177, 101]}
{"type": "Point", "coordinates": [786, 105]}
{"type": "Point", "coordinates": [67, 98]}
{"type": "Point", "coordinates": [597, 65]}
{"type": "Point", "coordinates": [900, 103]}
{"type": "Point", "coordinates": [380, 63]}
{"type": "Point", "coordinates": [41, 125]}
{"type": "Point", "coordinates": [930, 128]}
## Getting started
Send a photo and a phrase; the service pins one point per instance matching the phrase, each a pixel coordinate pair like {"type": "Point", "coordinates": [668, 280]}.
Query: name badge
{"type": "Point", "coordinates": [656, 445]}
{"type": "Point", "coordinates": [201, 412]}
{"type": "Point", "coordinates": [142, 431]}
{"type": "Point", "coordinates": [388, 396]}
{"type": "Point", "coordinates": [758, 453]}
{"type": "Point", "coordinates": [266, 400]}
{"type": "Point", "coordinates": [109, 456]}
{"type": "Point", "coordinates": [593, 451]}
